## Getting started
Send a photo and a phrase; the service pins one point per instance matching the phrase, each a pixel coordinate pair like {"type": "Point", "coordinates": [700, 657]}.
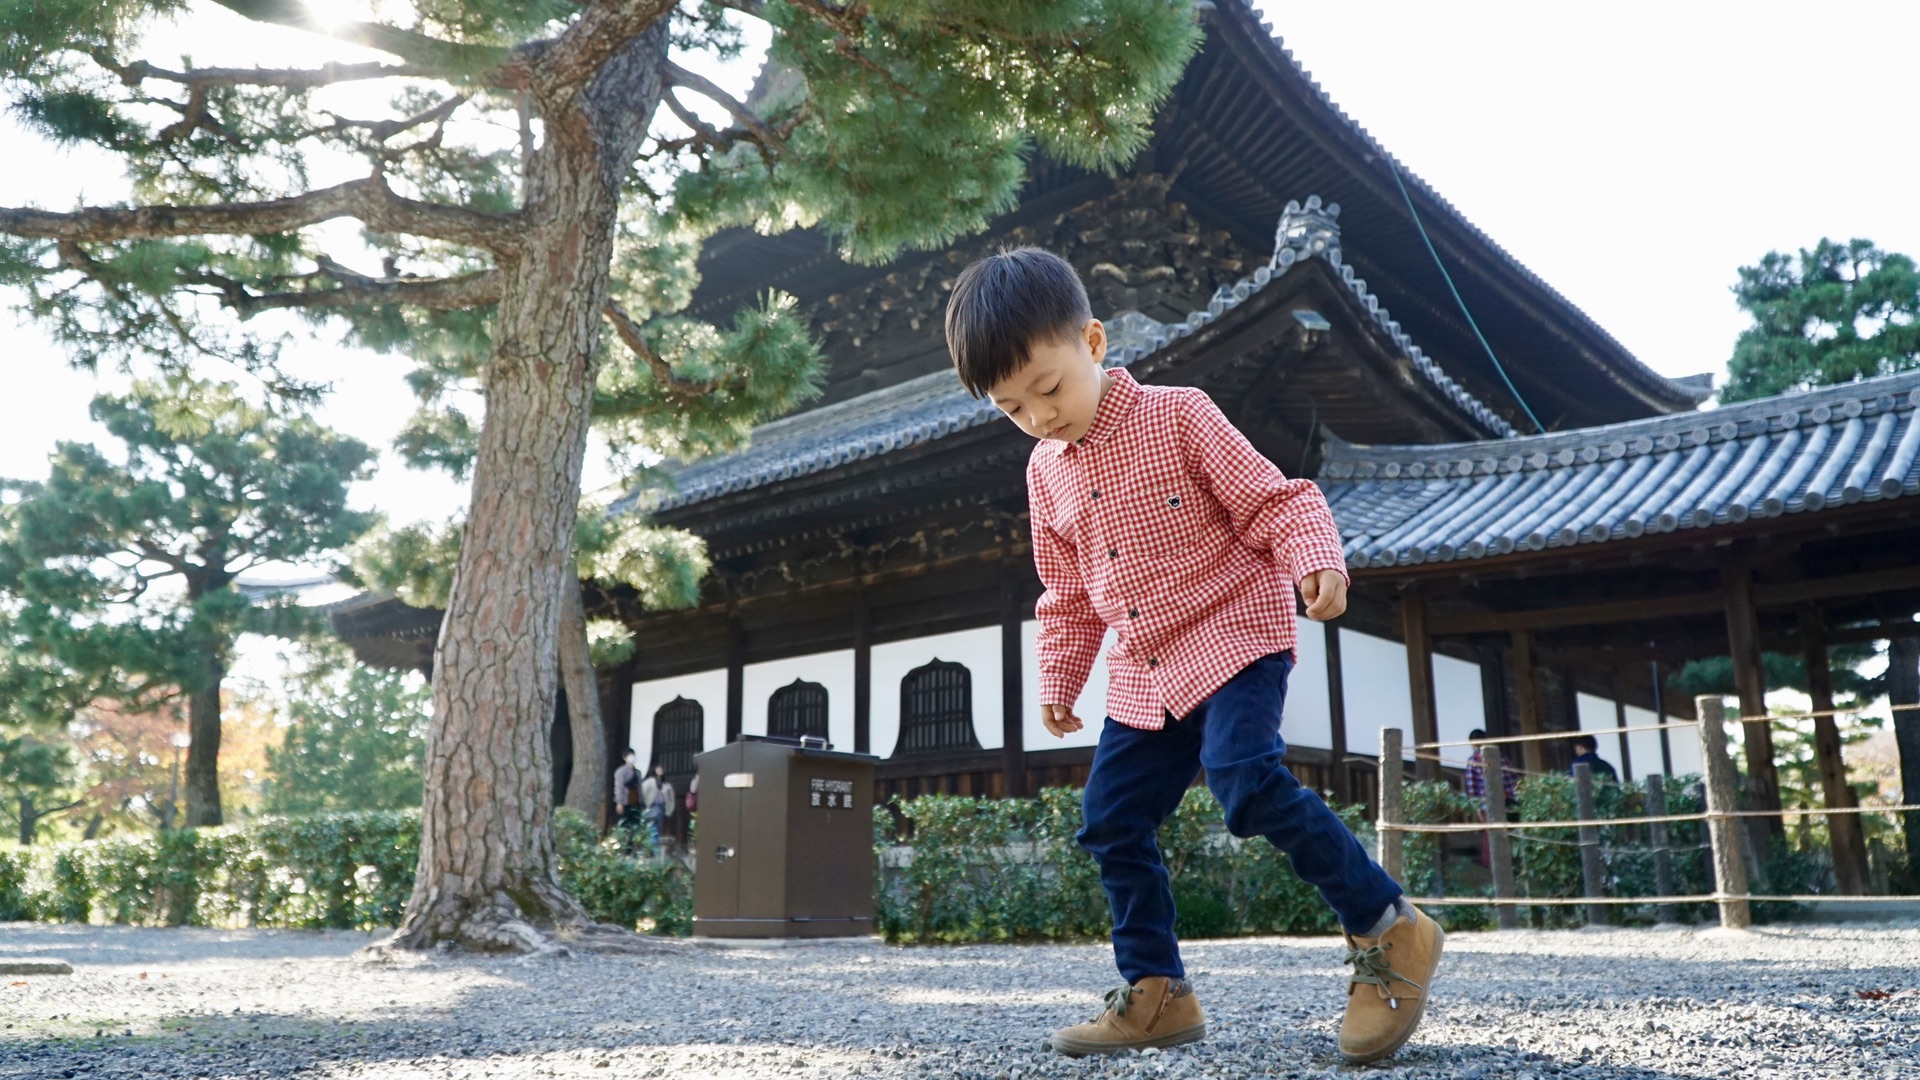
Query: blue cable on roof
{"type": "Point", "coordinates": [1418, 224]}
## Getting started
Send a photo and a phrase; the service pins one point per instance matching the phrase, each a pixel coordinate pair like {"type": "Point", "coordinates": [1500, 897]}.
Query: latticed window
{"type": "Point", "coordinates": [798, 709]}
{"type": "Point", "coordinates": [679, 730]}
{"type": "Point", "coordinates": [936, 709]}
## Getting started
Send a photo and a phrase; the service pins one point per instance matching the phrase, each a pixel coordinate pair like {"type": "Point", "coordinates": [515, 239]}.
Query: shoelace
{"type": "Point", "coordinates": [1118, 998]}
{"type": "Point", "coordinates": [1371, 968]}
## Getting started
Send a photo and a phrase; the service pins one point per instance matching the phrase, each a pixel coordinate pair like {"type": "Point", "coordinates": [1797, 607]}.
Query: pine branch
{"type": "Point", "coordinates": [352, 289]}
{"type": "Point", "coordinates": [382, 130]}
{"type": "Point", "coordinates": [370, 200]}
{"type": "Point", "coordinates": [681, 391]}
{"type": "Point", "coordinates": [601, 32]}
{"type": "Point", "coordinates": [132, 74]}
{"type": "Point", "coordinates": [762, 134]}
{"type": "Point", "coordinates": [755, 8]}
{"type": "Point", "coordinates": [434, 57]}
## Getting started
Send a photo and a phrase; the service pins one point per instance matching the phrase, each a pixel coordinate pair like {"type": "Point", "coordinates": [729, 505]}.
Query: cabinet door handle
{"type": "Point", "coordinates": [721, 854]}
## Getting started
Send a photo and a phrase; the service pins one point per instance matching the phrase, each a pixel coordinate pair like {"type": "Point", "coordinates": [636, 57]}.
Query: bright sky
{"type": "Point", "coordinates": [1631, 153]}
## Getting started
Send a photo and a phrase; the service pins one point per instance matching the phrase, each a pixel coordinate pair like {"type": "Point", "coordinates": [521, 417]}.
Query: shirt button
{"type": "Point", "coordinates": [1096, 494]}
{"type": "Point", "coordinates": [1113, 553]}
{"type": "Point", "coordinates": [1153, 661]}
{"type": "Point", "coordinates": [1133, 613]}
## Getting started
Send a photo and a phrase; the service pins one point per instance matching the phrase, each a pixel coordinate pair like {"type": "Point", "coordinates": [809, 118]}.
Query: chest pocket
{"type": "Point", "coordinates": [1171, 520]}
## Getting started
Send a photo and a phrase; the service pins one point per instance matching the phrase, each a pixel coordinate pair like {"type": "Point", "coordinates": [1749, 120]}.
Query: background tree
{"type": "Point", "coordinates": [1837, 313]}
{"type": "Point", "coordinates": [885, 125]}
{"type": "Point", "coordinates": [355, 742]}
{"type": "Point", "coordinates": [122, 570]}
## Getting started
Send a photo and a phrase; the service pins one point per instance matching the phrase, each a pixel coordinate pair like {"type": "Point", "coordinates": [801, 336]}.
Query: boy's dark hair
{"type": "Point", "coordinates": [629, 752]}
{"type": "Point", "coordinates": [1004, 304]}
{"type": "Point", "coordinates": [1476, 734]}
{"type": "Point", "coordinates": [1592, 744]}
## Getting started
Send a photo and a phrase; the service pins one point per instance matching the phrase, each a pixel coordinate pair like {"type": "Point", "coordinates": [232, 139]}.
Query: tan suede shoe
{"type": "Point", "coordinates": [1388, 991]}
{"type": "Point", "coordinates": [1151, 1012]}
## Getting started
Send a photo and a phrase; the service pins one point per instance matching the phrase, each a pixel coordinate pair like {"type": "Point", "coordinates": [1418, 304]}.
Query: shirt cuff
{"type": "Point", "coordinates": [1058, 691]}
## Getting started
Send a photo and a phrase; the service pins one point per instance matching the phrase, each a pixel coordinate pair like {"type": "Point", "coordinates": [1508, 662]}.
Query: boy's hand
{"type": "Point", "coordinates": [1059, 719]}
{"type": "Point", "coordinates": [1325, 592]}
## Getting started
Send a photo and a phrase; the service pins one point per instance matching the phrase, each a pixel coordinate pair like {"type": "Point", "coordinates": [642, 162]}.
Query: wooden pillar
{"type": "Point", "coordinates": [736, 677]}
{"type": "Point", "coordinates": [1593, 873]}
{"type": "Point", "coordinates": [1499, 839]}
{"type": "Point", "coordinates": [1662, 853]}
{"type": "Point", "coordinates": [1903, 688]}
{"type": "Point", "coordinates": [1498, 720]}
{"type": "Point", "coordinates": [862, 673]}
{"type": "Point", "coordinates": [1337, 715]}
{"type": "Point", "coordinates": [1526, 692]}
{"type": "Point", "coordinates": [1723, 833]}
{"type": "Point", "coordinates": [1393, 774]}
{"type": "Point", "coordinates": [1426, 719]}
{"type": "Point", "coordinates": [1750, 680]}
{"type": "Point", "coordinates": [1849, 844]}
{"type": "Point", "coordinates": [1013, 754]}
{"type": "Point", "coordinates": [1660, 716]}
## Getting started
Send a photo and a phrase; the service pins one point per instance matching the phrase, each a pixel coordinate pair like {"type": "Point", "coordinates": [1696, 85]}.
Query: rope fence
{"type": "Point", "coordinates": [1727, 866]}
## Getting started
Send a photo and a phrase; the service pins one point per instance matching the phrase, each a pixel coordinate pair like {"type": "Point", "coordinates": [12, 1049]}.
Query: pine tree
{"type": "Point", "coordinates": [356, 741]}
{"type": "Point", "coordinates": [889, 124]}
{"type": "Point", "coordinates": [1837, 313]}
{"type": "Point", "coordinates": [120, 570]}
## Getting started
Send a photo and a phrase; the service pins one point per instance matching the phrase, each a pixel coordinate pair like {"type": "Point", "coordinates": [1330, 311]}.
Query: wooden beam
{"type": "Point", "coordinates": [1337, 714]}
{"type": "Point", "coordinates": [1526, 692]}
{"type": "Point", "coordinates": [736, 678]}
{"type": "Point", "coordinates": [1750, 681]}
{"type": "Point", "coordinates": [862, 672]}
{"type": "Point", "coordinates": [1012, 708]}
{"type": "Point", "coordinates": [1849, 844]}
{"type": "Point", "coordinates": [1650, 609]}
{"type": "Point", "coordinates": [1426, 719]}
{"type": "Point", "coordinates": [1660, 715]}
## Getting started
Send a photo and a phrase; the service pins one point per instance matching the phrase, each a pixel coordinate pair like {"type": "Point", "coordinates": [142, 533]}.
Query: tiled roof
{"type": "Point", "coordinates": [934, 406]}
{"type": "Point", "coordinates": [1795, 454]}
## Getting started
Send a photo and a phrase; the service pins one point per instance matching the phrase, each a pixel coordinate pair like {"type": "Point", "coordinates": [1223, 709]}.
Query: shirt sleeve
{"type": "Point", "coordinates": [1269, 512]}
{"type": "Point", "coordinates": [1070, 630]}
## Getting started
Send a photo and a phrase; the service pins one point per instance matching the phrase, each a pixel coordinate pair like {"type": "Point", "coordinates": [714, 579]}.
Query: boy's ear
{"type": "Point", "coordinates": [1096, 335]}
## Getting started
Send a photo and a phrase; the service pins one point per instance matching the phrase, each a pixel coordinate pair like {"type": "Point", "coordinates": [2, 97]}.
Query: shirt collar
{"type": "Point", "coordinates": [1114, 407]}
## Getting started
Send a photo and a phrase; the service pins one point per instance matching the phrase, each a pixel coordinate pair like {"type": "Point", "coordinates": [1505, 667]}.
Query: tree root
{"type": "Point", "coordinates": [503, 924]}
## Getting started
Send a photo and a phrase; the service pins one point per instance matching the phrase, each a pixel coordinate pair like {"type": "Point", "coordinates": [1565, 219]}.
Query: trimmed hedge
{"type": "Point", "coordinates": [350, 870]}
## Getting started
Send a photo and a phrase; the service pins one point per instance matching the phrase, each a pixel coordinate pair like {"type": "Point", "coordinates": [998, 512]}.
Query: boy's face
{"type": "Point", "coordinates": [1057, 392]}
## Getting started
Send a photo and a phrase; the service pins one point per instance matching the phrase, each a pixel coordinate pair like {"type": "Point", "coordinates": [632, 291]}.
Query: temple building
{"type": "Point", "coordinates": [872, 581]}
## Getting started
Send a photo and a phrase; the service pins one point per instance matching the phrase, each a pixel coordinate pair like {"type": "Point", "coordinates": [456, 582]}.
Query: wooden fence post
{"type": "Point", "coordinates": [1499, 840]}
{"type": "Point", "coordinates": [1593, 872]}
{"type": "Point", "coordinates": [1662, 854]}
{"type": "Point", "coordinates": [1729, 863]}
{"type": "Point", "coordinates": [1392, 804]}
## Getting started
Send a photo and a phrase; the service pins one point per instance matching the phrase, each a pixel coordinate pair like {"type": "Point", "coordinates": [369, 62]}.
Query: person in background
{"type": "Point", "coordinates": [1586, 750]}
{"type": "Point", "coordinates": [626, 793]}
{"type": "Point", "coordinates": [1476, 785]}
{"type": "Point", "coordinates": [656, 797]}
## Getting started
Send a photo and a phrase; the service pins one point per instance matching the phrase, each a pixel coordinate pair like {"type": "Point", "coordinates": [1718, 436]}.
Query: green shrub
{"type": "Point", "coordinates": [324, 871]}
{"type": "Point", "coordinates": [976, 869]}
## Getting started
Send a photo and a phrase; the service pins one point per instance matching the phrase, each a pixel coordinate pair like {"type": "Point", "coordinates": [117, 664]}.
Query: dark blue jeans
{"type": "Point", "coordinates": [1138, 779]}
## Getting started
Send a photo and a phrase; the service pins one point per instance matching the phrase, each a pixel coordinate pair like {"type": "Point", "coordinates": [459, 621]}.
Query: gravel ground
{"type": "Point", "coordinates": [1638, 1004]}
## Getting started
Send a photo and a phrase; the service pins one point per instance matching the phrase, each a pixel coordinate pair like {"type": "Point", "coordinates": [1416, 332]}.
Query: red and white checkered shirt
{"type": "Point", "coordinates": [1165, 524]}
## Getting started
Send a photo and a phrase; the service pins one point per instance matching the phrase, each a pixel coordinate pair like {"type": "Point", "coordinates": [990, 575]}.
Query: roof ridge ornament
{"type": "Point", "coordinates": [1306, 229]}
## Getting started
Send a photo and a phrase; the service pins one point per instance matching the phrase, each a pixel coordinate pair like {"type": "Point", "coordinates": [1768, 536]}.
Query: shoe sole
{"type": "Point", "coordinates": [1419, 1010]}
{"type": "Point", "coordinates": [1076, 1048]}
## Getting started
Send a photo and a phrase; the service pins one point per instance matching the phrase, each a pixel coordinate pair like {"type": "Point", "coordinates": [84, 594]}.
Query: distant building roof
{"type": "Point", "coordinates": [1794, 454]}
{"type": "Point", "coordinates": [933, 406]}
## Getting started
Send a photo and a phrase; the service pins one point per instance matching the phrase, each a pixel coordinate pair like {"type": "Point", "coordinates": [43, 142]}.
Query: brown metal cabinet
{"type": "Point", "coordinates": [785, 841]}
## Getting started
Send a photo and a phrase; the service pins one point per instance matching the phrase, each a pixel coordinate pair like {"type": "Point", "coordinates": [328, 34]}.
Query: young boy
{"type": "Point", "coordinates": [1152, 515]}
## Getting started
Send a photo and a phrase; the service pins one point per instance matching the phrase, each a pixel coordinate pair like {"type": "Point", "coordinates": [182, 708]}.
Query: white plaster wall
{"type": "Point", "coordinates": [1305, 721]}
{"type": "Point", "coordinates": [1461, 706]}
{"type": "Point", "coordinates": [1378, 695]}
{"type": "Point", "coordinates": [978, 649]}
{"type": "Point", "coordinates": [833, 670]}
{"type": "Point", "coordinates": [1597, 719]}
{"type": "Point", "coordinates": [1597, 716]}
{"type": "Point", "coordinates": [1091, 708]}
{"type": "Point", "coordinates": [709, 688]}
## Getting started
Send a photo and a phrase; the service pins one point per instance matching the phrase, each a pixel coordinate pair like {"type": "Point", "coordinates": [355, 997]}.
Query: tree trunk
{"type": "Point", "coordinates": [203, 752]}
{"type": "Point", "coordinates": [587, 787]}
{"type": "Point", "coordinates": [1903, 688]}
{"type": "Point", "coordinates": [28, 821]}
{"type": "Point", "coordinates": [487, 877]}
